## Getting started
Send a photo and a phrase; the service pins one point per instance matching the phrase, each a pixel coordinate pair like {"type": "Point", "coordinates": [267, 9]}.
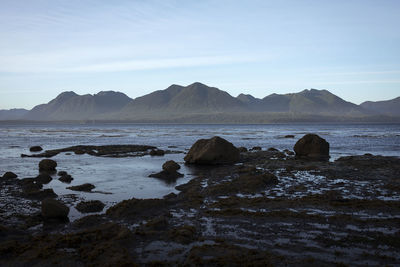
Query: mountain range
{"type": "Point", "coordinates": [200, 103]}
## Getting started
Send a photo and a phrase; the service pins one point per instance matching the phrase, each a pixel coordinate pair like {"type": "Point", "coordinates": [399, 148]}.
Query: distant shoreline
{"type": "Point", "coordinates": [99, 122]}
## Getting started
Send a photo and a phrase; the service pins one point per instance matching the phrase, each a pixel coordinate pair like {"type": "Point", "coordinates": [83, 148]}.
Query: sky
{"type": "Point", "coordinates": [349, 47]}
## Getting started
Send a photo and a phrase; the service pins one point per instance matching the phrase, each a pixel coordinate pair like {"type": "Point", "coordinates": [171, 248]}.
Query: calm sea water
{"type": "Point", "coordinates": [125, 178]}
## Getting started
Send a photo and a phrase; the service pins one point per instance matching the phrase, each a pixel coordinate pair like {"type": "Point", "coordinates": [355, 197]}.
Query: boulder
{"type": "Point", "coordinates": [66, 178]}
{"type": "Point", "coordinates": [169, 172]}
{"type": "Point", "coordinates": [312, 146]}
{"type": "Point", "coordinates": [83, 187]}
{"type": "Point", "coordinates": [256, 148]}
{"type": "Point", "coordinates": [47, 165]}
{"type": "Point", "coordinates": [215, 150]}
{"type": "Point", "coordinates": [170, 166]}
{"type": "Point", "coordinates": [54, 209]}
{"type": "Point", "coordinates": [35, 149]}
{"type": "Point", "coordinates": [9, 175]}
{"type": "Point", "coordinates": [43, 178]}
{"type": "Point", "coordinates": [90, 206]}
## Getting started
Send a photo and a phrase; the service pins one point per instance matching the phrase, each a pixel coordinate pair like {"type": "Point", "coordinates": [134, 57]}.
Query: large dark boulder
{"type": "Point", "coordinates": [47, 165]}
{"type": "Point", "coordinates": [312, 146]}
{"type": "Point", "coordinates": [212, 151]}
{"type": "Point", "coordinates": [54, 209]}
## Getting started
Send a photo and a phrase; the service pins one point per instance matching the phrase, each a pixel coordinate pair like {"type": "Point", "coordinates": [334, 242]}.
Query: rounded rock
{"type": "Point", "coordinates": [43, 178]}
{"type": "Point", "coordinates": [170, 166]}
{"type": "Point", "coordinates": [215, 150]}
{"type": "Point", "coordinates": [52, 209]}
{"type": "Point", "coordinates": [312, 146]}
{"type": "Point", "coordinates": [9, 175]}
{"type": "Point", "coordinates": [35, 149]}
{"type": "Point", "coordinates": [47, 165]}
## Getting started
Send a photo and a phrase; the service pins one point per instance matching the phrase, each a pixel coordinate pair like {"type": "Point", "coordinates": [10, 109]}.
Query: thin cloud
{"type": "Point", "coordinates": [38, 65]}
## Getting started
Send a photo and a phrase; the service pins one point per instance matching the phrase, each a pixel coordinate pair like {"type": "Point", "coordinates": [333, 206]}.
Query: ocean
{"type": "Point", "coordinates": [117, 179]}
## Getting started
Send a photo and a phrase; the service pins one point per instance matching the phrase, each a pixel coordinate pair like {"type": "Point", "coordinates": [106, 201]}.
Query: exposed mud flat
{"type": "Point", "coordinates": [268, 209]}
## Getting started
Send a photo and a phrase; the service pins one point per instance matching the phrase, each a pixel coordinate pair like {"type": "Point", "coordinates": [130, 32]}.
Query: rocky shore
{"type": "Point", "coordinates": [244, 207]}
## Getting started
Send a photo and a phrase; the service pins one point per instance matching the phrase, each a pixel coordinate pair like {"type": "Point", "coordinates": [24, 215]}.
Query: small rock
{"type": "Point", "coordinates": [43, 178]}
{"type": "Point", "coordinates": [90, 206]}
{"type": "Point", "coordinates": [54, 209]}
{"type": "Point", "coordinates": [171, 166]}
{"type": "Point", "coordinates": [47, 165]}
{"type": "Point", "coordinates": [66, 179]}
{"type": "Point", "coordinates": [215, 150]}
{"type": "Point", "coordinates": [256, 148]}
{"type": "Point", "coordinates": [83, 187]}
{"type": "Point", "coordinates": [157, 152]}
{"type": "Point", "coordinates": [35, 149]}
{"type": "Point", "coordinates": [289, 136]}
{"type": "Point", "coordinates": [9, 175]}
{"type": "Point", "coordinates": [312, 146]}
{"type": "Point", "coordinates": [62, 173]}
{"type": "Point", "coordinates": [272, 149]}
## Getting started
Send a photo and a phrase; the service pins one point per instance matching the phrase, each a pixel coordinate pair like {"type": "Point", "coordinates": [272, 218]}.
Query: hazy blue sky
{"type": "Point", "coordinates": [350, 47]}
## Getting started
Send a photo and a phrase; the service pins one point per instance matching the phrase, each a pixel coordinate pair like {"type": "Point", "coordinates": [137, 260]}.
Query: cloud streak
{"type": "Point", "coordinates": [51, 64]}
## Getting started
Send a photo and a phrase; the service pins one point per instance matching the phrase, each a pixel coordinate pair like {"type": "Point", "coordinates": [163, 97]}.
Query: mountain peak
{"type": "Point", "coordinates": [198, 84]}
{"type": "Point", "coordinates": [67, 94]}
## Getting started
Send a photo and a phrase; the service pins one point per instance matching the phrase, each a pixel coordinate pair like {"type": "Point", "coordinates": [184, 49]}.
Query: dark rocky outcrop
{"type": "Point", "coordinates": [135, 209]}
{"type": "Point", "coordinates": [215, 150]}
{"type": "Point", "coordinates": [47, 165]}
{"type": "Point", "coordinates": [90, 206]}
{"type": "Point", "coordinates": [115, 151]}
{"type": "Point", "coordinates": [256, 148]}
{"type": "Point", "coordinates": [9, 175]}
{"type": "Point", "coordinates": [157, 152]}
{"type": "Point", "coordinates": [289, 136]}
{"type": "Point", "coordinates": [35, 149]}
{"type": "Point", "coordinates": [184, 234]}
{"type": "Point", "coordinates": [54, 209]}
{"type": "Point", "coordinates": [249, 182]}
{"type": "Point", "coordinates": [312, 146]}
{"type": "Point", "coordinates": [83, 187]}
{"type": "Point", "coordinates": [43, 178]}
{"type": "Point", "coordinates": [33, 190]}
